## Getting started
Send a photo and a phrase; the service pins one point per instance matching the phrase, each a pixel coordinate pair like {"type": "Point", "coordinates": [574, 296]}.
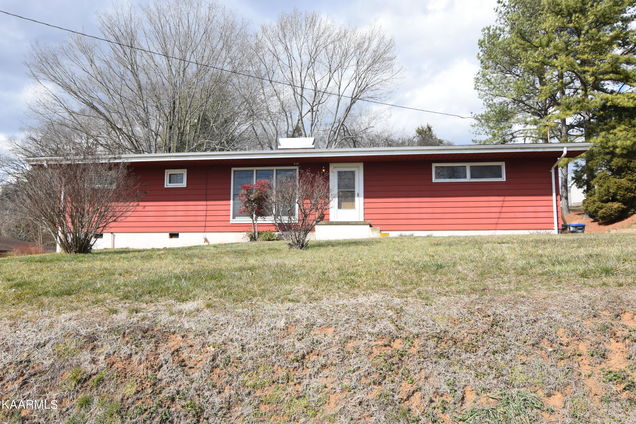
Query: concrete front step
{"type": "Point", "coordinates": [345, 230]}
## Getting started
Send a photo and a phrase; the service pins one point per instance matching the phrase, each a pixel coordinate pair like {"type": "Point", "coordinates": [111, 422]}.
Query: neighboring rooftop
{"type": "Point", "coordinates": [8, 244]}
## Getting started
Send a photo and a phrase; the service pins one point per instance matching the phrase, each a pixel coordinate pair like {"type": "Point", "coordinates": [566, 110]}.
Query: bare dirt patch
{"type": "Point", "coordinates": [556, 401]}
{"type": "Point", "coordinates": [325, 331]}
{"type": "Point", "coordinates": [617, 354]}
{"type": "Point", "coordinates": [629, 319]}
{"type": "Point", "coordinates": [591, 226]}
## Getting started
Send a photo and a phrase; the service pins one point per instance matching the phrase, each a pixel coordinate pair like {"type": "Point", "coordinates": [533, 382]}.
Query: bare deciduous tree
{"type": "Point", "coordinates": [74, 198]}
{"type": "Point", "coordinates": [326, 69]}
{"type": "Point", "coordinates": [299, 205]}
{"type": "Point", "coordinates": [121, 99]}
{"type": "Point", "coordinates": [15, 225]}
{"type": "Point", "coordinates": [209, 86]}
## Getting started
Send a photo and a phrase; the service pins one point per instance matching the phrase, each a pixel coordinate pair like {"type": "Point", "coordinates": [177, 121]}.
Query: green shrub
{"type": "Point", "coordinates": [267, 236]}
{"type": "Point", "coordinates": [610, 188]}
{"type": "Point", "coordinates": [611, 199]}
{"type": "Point", "coordinates": [262, 236]}
{"type": "Point", "coordinates": [605, 213]}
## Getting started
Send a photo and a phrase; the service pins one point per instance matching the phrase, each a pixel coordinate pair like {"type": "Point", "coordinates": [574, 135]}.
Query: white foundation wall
{"type": "Point", "coordinates": [465, 233]}
{"type": "Point", "coordinates": [335, 232]}
{"type": "Point", "coordinates": [161, 240]}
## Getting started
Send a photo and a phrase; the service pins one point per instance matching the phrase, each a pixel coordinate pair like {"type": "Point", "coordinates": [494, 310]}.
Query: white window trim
{"type": "Point", "coordinates": [246, 219]}
{"type": "Point", "coordinates": [468, 179]}
{"type": "Point", "coordinates": [166, 181]}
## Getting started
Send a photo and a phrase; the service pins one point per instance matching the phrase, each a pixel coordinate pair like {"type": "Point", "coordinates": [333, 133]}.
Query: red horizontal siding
{"type": "Point", "coordinates": [202, 206]}
{"type": "Point", "coordinates": [399, 196]}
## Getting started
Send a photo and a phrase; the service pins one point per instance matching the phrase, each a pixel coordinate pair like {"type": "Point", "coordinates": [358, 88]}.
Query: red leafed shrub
{"type": "Point", "coordinates": [255, 201]}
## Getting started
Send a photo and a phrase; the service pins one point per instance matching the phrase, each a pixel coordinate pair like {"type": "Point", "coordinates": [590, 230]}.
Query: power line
{"type": "Point", "coordinates": [218, 68]}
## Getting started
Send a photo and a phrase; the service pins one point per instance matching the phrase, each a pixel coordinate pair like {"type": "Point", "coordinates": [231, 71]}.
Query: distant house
{"type": "Point", "coordinates": [193, 198]}
{"type": "Point", "coordinates": [8, 245]}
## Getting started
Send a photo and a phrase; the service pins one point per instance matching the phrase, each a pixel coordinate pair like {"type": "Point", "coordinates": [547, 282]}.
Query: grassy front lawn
{"type": "Point", "coordinates": [528, 329]}
{"type": "Point", "coordinates": [418, 268]}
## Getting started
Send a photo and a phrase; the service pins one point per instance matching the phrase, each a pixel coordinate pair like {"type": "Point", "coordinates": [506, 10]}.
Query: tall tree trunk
{"type": "Point", "coordinates": [564, 138]}
{"type": "Point", "coordinates": [564, 189]}
{"type": "Point", "coordinates": [254, 228]}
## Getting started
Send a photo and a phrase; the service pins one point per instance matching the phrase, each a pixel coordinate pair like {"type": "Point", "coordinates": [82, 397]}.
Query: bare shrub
{"type": "Point", "coordinates": [298, 205]}
{"type": "Point", "coordinates": [16, 226]}
{"type": "Point", "coordinates": [74, 199]}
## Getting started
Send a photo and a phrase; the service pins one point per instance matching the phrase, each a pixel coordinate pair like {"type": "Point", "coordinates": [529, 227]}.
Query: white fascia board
{"type": "Point", "coordinates": [334, 153]}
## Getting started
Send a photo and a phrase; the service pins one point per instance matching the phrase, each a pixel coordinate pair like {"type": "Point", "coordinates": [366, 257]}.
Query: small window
{"type": "Point", "coordinates": [99, 236]}
{"type": "Point", "coordinates": [104, 180]}
{"type": "Point", "coordinates": [173, 235]}
{"type": "Point", "coordinates": [486, 172]}
{"type": "Point", "coordinates": [450, 172]}
{"type": "Point", "coordinates": [462, 172]}
{"type": "Point", "coordinates": [176, 178]}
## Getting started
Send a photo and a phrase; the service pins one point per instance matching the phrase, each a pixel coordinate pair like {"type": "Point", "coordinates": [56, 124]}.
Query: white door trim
{"type": "Point", "coordinates": [333, 209]}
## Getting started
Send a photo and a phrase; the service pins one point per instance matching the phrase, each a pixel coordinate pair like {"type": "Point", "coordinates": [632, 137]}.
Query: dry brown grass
{"type": "Point", "coordinates": [540, 358]}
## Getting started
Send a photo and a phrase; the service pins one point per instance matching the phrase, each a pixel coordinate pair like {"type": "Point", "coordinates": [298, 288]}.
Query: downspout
{"type": "Point", "coordinates": [554, 198]}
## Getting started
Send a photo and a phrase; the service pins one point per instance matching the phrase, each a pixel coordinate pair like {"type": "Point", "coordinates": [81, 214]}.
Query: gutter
{"type": "Point", "coordinates": [554, 198]}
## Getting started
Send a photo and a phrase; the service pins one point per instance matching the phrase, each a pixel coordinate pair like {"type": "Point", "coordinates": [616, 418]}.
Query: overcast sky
{"type": "Point", "coordinates": [436, 43]}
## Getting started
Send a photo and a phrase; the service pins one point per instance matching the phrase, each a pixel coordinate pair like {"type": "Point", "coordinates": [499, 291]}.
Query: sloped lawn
{"type": "Point", "coordinates": [536, 329]}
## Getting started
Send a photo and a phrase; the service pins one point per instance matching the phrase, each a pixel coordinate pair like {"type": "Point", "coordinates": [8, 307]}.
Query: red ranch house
{"type": "Point", "coordinates": [192, 198]}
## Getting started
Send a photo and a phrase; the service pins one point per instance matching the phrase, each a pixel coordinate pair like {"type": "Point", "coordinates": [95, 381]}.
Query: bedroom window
{"type": "Point", "coordinates": [462, 172]}
{"type": "Point", "coordinates": [102, 180]}
{"type": "Point", "coordinates": [176, 178]}
{"type": "Point", "coordinates": [241, 176]}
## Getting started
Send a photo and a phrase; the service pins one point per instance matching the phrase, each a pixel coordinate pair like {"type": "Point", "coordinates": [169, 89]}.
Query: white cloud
{"type": "Point", "coordinates": [450, 91]}
{"type": "Point", "coordinates": [436, 41]}
{"type": "Point", "coordinates": [5, 143]}
{"type": "Point", "coordinates": [14, 104]}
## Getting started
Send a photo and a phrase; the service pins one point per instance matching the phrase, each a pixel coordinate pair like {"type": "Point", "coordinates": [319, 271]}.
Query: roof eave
{"type": "Point", "coordinates": [332, 153]}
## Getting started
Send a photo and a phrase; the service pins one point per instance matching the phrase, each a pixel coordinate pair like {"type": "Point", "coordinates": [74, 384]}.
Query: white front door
{"type": "Point", "coordinates": [347, 192]}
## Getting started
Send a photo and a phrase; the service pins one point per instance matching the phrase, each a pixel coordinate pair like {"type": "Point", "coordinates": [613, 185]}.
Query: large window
{"type": "Point", "coordinates": [462, 172]}
{"type": "Point", "coordinates": [241, 176]}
